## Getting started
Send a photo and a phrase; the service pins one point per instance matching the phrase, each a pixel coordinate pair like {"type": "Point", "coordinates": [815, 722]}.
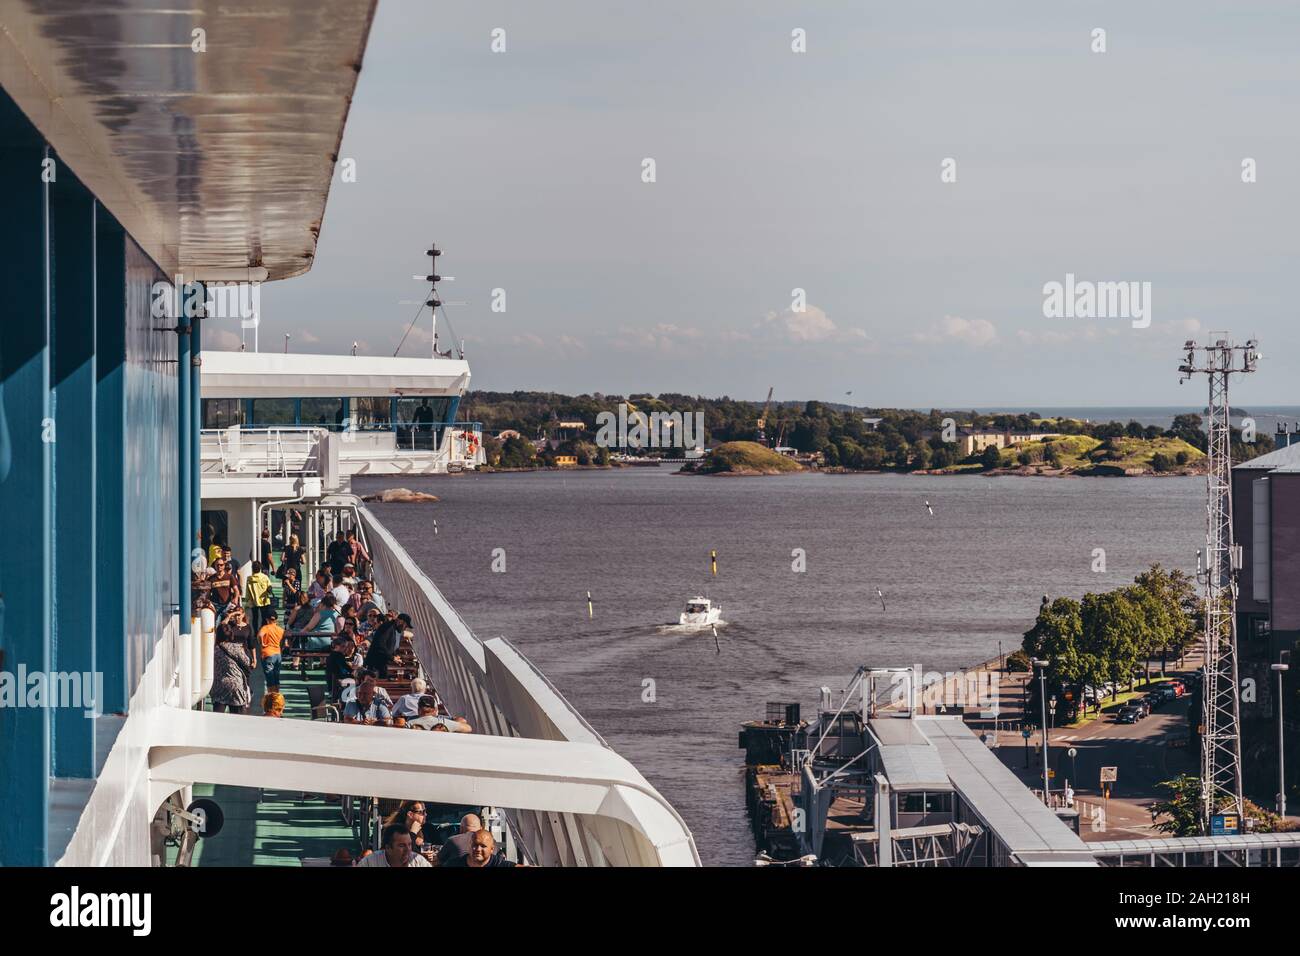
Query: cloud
{"type": "Point", "coordinates": [306, 335]}
{"type": "Point", "coordinates": [663, 337]}
{"type": "Point", "coordinates": [527, 340]}
{"type": "Point", "coordinates": [810, 327]}
{"type": "Point", "coordinates": [221, 340]}
{"type": "Point", "coordinates": [976, 333]}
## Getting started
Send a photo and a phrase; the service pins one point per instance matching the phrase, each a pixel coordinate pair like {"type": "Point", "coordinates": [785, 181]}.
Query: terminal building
{"type": "Point", "coordinates": [1266, 524]}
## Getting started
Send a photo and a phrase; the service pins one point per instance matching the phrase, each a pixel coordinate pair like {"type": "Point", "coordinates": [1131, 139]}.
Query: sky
{"type": "Point", "coordinates": [820, 171]}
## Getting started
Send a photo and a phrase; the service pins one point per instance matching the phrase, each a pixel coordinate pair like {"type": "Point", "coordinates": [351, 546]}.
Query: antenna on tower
{"type": "Point", "coordinates": [1217, 569]}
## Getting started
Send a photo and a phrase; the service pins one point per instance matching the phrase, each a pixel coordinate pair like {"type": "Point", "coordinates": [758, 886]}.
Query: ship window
{"type": "Point", "coordinates": [322, 411]}
{"type": "Point", "coordinates": [436, 413]}
{"type": "Point", "coordinates": [222, 412]}
{"type": "Point", "coordinates": [938, 803]}
{"type": "Point", "coordinates": [272, 411]}
{"type": "Point", "coordinates": [372, 412]}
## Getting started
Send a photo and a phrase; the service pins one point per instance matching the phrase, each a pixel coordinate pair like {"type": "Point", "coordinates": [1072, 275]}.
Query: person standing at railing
{"type": "Point", "coordinates": [360, 556]}
{"type": "Point", "coordinates": [339, 553]}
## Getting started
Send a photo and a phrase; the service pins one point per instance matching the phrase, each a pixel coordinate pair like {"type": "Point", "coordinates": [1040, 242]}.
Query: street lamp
{"type": "Point", "coordinates": [1281, 743]}
{"type": "Point", "coordinates": [1074, 768]}
{"type": "Point", "coordinates": [1042, 697]}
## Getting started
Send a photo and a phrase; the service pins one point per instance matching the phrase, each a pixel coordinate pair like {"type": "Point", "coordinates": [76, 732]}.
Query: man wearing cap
{"type": "Point", "coordinates": [430, 718]}
{"type": "Point", "coordinates": [350, 575]}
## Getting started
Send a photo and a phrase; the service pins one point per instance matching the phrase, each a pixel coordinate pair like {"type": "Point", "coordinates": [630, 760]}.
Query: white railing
{"type": "Point", "coordinates": [501, 693]}
{"type": "Point", "coordinates": [267, 452]}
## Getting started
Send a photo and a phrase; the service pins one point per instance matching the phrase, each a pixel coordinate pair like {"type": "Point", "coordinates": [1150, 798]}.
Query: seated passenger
{"type": "Point", "coordinates": [397, 850]}
{"type": "Point", "coordinates": [482, 852]}
{"type": "Point", "coordinates": [367, 707]}
{"type": "Point", "coordinates": [322, 627]}
{"type": "Point", "coordinates": [457, 847]}
{"type": "Point", "coordinates": [429, 719]}
{"type": "Point", "coordinates": [408, 705]}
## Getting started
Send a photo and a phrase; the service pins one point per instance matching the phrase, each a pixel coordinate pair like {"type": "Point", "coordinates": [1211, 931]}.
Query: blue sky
{"type": "Point", "coordinates": [819, 171]}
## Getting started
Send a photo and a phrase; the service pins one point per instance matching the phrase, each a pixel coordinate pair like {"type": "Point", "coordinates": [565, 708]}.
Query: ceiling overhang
{"type": "Point", "coordinates": [214, 161]}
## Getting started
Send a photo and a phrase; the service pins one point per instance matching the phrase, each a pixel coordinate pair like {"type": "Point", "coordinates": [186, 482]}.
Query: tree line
{"type": "Point", "coordinates": [902, 439]}
{"type": "Point", "coordinates": [1110, 637]}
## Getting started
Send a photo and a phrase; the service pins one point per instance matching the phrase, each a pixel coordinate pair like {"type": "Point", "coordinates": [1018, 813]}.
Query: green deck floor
{"type": "Point", "coordinates": [281, 828]}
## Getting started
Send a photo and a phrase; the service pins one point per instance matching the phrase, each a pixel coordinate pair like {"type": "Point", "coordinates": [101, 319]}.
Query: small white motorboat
{"type": "Point", "coordinates": [700, 612]}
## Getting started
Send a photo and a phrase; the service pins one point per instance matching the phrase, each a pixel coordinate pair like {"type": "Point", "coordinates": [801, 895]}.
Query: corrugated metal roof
{"type": "Point", "coordinates": [1031, 831]}
{"type": "Point", "coordinates": [1287, 458]}
{"type": "Point", "coordinates": [911, 762]}
{"type": "Point", "coordinates": [1194, 844]}
{"type": "Point", "coordinates": [212, 160]}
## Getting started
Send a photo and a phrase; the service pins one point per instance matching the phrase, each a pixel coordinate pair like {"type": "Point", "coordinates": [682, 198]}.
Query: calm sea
{"type": "Point", "coordinates": [957, 586]}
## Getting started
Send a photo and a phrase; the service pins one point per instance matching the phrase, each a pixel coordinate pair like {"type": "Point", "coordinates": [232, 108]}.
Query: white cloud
{"type": "Point", "coordinates": [811, 326]}
{"type": "Point", "coordinates": [663, 337]}
{"type": "Point", "coordinates": [976, 333]}
{"type": "Point", "coordinates": [221, 340]}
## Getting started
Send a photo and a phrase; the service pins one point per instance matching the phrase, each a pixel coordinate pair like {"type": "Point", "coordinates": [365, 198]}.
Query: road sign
{"type": "Point", "coordinates": [1051, 774]}
{"type": "Point", "coordinates": [1225, 824]}
{"type": "Point", "coordinates": [1109, 774]}
{"type": "Point", "coordinates": [1026, 733]}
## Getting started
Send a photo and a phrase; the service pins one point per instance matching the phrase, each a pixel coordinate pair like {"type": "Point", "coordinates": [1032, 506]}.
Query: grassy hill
{"type": "Point", "coordinates": [746, 458]}
{"type": "Point", "coordinates": [1083, 454]}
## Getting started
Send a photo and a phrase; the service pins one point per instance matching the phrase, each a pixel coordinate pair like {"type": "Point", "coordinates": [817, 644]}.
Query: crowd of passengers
{"type": "Point", "coordinates": [337, 612]}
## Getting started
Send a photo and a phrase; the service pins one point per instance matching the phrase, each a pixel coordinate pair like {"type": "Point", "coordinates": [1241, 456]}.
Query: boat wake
{"type": "Point", "coordinates": [688, 628]}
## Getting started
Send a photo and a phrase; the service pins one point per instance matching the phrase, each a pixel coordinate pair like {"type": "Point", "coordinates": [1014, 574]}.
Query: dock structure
{"type": "Point", "coordinates": [888, 786]}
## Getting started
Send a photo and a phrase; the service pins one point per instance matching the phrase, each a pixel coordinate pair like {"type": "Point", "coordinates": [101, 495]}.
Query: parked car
{"type": "Point", "coordinates": [1153, 700]}
{"type": "Point", "coordinates": [1128, 714]}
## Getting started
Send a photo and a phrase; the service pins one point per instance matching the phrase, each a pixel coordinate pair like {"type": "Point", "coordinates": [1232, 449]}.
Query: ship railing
{"type": "Point", "coordinates": [503, 694]}
{"type": "Point", "coordinates": [273, 452]}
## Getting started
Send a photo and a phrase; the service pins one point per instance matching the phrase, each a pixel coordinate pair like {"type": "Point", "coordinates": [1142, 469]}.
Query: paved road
{"type": "Point", "coordinates": [1145, 753]}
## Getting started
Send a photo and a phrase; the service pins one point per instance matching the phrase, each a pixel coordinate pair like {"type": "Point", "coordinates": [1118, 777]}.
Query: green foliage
{"type": "Point", "coordinates": [841, 435]}
{"type": "Point", "coordinates": [1108, 636]}
{"type": "Point", "coordinates": [517, 453]}
{"type": "Point", "coordinates": [1018, 662]}
{"type": "Point", "coordinates": [1180, 813]}
{"type": "Point", "coordinates": [739, 457]}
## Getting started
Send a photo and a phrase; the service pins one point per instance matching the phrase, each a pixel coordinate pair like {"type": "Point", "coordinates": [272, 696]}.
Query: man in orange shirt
{"type": "Point", "coordinates": [271, 636]}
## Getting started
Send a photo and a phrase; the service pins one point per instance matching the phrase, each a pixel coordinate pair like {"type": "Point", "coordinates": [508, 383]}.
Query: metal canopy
{"type": "Point", "coordinates": [218, 162]}
{"type": "Point", "coordinates": [911, 762]}
{"type": "Point", "coordinates": [1030, 831]}
{"type": "Point", "coordinates": [297, 375]}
